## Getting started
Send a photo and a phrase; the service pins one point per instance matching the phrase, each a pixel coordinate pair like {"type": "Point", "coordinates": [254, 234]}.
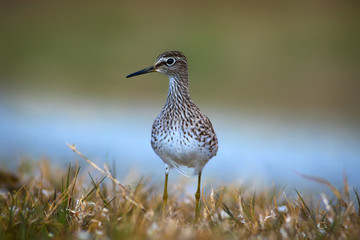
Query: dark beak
{"type": "Point", "coordinates": [145, 70]}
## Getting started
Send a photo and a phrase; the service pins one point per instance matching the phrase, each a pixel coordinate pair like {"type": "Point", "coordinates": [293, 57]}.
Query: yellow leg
{"type": "Point", "coordinates": [165, 195]}
{"type": "Point", "coordinates": [197, 197]}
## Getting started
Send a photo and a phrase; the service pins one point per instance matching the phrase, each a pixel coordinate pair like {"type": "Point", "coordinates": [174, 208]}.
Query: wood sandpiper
{"type": "Point", "coordinates": [182, 136]}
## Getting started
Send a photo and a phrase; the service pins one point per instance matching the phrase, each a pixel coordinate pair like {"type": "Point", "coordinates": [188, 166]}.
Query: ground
{"type": "Point", "coordinates": [72, 204]}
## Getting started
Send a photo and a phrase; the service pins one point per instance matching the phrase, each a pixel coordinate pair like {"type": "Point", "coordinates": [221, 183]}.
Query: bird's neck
{"type": "Point", "coordinates": [178, 90]}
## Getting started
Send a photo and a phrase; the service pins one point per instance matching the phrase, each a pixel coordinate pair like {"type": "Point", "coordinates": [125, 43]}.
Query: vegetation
{"type": "Point", "coordinates": [288, 55]}
{"type": "Point", "coordinates": [75, 205]}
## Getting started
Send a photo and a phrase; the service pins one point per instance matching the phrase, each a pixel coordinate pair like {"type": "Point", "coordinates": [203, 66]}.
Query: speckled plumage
{"type": "Point", "coordinates": [182, 136]}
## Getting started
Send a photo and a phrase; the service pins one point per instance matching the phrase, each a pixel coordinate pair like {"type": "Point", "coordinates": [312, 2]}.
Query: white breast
{"type": "Point", "coordinates": [179, 149]}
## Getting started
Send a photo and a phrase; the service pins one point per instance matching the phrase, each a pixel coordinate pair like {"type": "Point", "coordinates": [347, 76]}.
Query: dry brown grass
{"type": "Point", "coordinates": [74, 205]}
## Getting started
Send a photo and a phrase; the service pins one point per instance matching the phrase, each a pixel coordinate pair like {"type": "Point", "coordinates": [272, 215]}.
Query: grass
{"type": "Point", "coordinates": [71, 204]}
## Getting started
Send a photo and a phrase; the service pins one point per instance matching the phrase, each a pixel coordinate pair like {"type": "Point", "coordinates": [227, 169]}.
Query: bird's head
{"type": "Point", "coordinates": [172, 64]}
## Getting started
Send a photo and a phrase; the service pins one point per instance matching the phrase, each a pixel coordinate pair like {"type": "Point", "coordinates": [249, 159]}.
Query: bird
{"type": "Point", "coordinates": [182, 136]}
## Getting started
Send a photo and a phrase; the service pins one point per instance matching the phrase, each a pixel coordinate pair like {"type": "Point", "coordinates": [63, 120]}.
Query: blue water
{"type": "Point", "coordinates": [254, 146]}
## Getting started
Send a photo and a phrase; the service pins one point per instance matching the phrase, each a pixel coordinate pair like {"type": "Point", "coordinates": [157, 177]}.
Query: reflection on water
{"type": "Point", "coordinates": [252, 146]}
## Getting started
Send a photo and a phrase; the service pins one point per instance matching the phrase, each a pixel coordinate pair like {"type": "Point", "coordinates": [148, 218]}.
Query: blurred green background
{"type": "Point", "coordinates": [292, 55]}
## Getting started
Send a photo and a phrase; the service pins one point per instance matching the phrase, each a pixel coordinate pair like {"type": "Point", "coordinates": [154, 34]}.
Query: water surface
{"type": "Point", "coordinates": [253, 146]}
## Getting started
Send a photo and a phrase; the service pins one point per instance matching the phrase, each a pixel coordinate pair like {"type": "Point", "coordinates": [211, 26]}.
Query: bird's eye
{"type": "Point", "coordinates": [170, 61]}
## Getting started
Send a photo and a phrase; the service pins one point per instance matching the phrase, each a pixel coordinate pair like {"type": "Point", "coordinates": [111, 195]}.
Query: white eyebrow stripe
{"type": "Point", "coordinates": [160, 60]}
{"type": "Point", "coordinates": [163, 59]}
